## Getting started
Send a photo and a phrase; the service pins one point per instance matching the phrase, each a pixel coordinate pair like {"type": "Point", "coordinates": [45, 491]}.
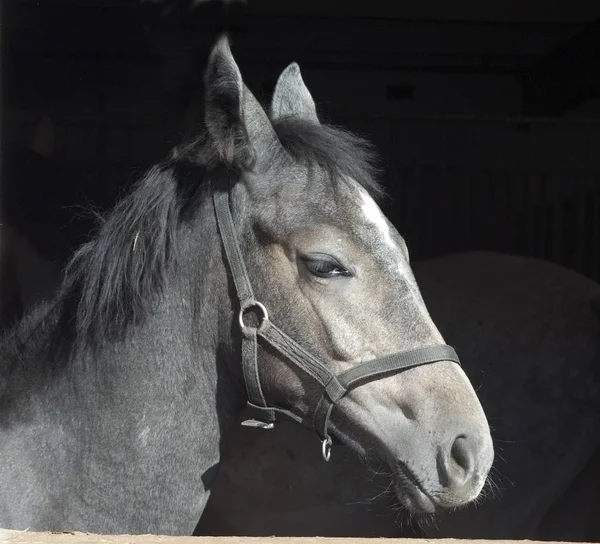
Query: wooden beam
{"type": "Point", "coordinates": [26, 537]}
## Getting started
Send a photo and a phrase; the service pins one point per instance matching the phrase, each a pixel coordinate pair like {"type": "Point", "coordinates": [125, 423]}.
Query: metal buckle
{"type": "Point", "coordinates": [247, 305]}
{"type": "Point", "coordinates": [326, 448]}
{"type": "Point", "coordinates": [257, 424]}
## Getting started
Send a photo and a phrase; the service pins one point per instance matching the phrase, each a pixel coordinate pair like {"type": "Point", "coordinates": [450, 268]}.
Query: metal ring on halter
{"type": "Point", "coordinates": [326, 448]}
{"type": "Point", "coordinates": [245, 307]}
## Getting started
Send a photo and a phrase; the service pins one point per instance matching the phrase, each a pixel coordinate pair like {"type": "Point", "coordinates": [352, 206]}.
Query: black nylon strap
{"type": "Point", "coordinates": [322, 415]}
{"type": "Point", "coordinates": [377, 368]}
{"type": "Point", "coordinates": [250, 369]}
{"type": "Point", "coordinates": [270, 414]}
{"type": "Point", "coordinates": [296, 353]}
{"type": "Point", "coordinates": [243, 286]}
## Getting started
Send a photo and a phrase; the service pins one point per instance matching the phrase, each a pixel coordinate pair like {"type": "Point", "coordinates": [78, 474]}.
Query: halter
{"type": "Point", "coordinates": [334, 386]}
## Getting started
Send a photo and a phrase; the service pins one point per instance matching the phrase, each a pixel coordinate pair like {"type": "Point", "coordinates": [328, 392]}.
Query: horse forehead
{"type": "Point", "coordinates": [374, 216]}
{"type": "Point", "coordinates": [380, 233]}
{"type": "Point", "coordinates": [379, 230]}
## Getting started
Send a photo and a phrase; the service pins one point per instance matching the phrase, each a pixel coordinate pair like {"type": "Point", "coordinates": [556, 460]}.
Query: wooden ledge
{"type": "Point", "coordinates": [26, 537]}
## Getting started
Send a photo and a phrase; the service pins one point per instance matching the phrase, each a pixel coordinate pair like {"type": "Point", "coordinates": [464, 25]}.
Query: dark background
{"type": "Point", "coordinates": [485, 113]}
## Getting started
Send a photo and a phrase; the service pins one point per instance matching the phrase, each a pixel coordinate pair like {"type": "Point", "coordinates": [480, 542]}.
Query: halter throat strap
{"type": "Point", "coordinates": [334, 386]}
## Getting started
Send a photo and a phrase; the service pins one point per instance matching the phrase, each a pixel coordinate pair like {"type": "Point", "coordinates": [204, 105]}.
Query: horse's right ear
{"type": "Point", "coordinates": [292, 98]}
{"type": "Point", "coordinates": [238, 126]}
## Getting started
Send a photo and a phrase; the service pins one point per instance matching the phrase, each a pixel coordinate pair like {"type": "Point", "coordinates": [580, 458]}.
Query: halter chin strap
{"type": "Point", "coordinates": [334, 386]}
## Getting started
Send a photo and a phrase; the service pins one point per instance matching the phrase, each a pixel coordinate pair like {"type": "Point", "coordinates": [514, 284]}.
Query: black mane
{"type": "Point", "coordinates": [338, 152]}
{"type": "Point", "coordinates": [114, 279]}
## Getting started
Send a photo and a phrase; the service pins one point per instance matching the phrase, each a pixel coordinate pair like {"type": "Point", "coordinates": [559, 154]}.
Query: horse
{"type": "Point", "coordinates": [529, 336]}
{"type": "Point", "coordinates": [319, 501]}
{"type": "Point", "coordinates": [253, 267]}
{"type": "Point", "coordinates": [274, 484]}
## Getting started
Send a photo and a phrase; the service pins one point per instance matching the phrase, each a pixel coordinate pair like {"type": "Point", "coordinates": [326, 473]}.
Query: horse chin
{"type": "Point", "coordinates": [411, 494]}
{"type": "Point", "coordinates": [417, 500]}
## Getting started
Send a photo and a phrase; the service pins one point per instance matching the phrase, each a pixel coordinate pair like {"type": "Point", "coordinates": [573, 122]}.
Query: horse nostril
{"type": "Point", "coordinates": [461, 455]}
{"type": "Point", "coordinates": [458, 464]}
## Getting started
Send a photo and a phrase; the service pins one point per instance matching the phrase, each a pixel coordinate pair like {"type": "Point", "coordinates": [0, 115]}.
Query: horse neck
{"type": "Point", "coordinates": [171, 390]}
{"type": "Point", "coordinates": [182, 354]}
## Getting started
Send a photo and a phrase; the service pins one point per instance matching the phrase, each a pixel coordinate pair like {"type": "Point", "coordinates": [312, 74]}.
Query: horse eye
{"type": "Point", "coordinates": [324, 268]}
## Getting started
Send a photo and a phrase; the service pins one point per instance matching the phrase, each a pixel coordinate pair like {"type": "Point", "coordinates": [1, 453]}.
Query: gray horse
{"type": "Point", "coordinates": [529, 336]}
{"type": "Point", "coordinates": [117, 397]}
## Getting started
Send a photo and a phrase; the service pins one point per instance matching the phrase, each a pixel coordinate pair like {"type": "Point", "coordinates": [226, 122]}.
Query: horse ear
{"type": "Point", "coordinates": [237, 124]}
{"type": "Point", "coordinates": [291, 97]}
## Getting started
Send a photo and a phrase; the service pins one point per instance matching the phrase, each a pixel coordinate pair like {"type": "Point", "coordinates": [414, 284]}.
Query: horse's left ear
{"type": "Point", "coordinates": [291, 97]}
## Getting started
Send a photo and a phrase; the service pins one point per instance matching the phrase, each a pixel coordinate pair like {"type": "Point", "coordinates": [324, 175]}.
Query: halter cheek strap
{"type": "Point", "coordinates": [334, 386]}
